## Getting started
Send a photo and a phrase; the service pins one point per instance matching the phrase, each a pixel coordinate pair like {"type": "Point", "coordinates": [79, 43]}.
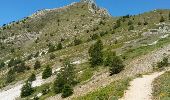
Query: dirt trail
{"type": "Point", "coordinates": [141, 88]}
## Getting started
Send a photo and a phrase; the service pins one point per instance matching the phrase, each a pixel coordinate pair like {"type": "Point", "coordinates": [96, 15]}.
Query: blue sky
{"type": "Point", "coordinates": [12, 10]}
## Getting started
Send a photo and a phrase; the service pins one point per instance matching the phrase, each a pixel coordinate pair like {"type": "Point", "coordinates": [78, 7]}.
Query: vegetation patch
{"type": "Point", "coordinates": [114, 91]}
{"type": "Point", "coordinates": [161, 87]}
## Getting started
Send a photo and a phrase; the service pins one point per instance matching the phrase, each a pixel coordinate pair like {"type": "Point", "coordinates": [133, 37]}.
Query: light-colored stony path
{"type": "Point", "coordinates": [141, 88]}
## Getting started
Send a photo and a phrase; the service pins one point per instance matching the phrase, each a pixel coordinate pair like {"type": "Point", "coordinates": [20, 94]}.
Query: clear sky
{"type": "Point", "coordinates": [12, 10]}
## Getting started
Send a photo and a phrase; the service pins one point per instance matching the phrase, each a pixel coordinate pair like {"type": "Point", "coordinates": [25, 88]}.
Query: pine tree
{"type": "Point", "coordinates": [162, 19]}
{"type": "Point", "coordinates": [95, 53]}
{"type": "Point", "coordinates": [2, 64]}
{"type": "Point", "coordinates": [116, 65]}
{"type": "Point", "coordinates": [67, 91]}
{"type": "Point", "coordinates": [26, 90]}
{"type": "Point", "coordinates": [51, 48]}
{"type": "Point", "coordinates": [66, 76]}
{"type": "Point", "coordinates": [59, 46]}
{"type": "Point", "coordinates": [32, 78]}
{"type": "Point", "coordinates": [58, 83]}
{"type": "Point", "coordinates": [47, 72]}
{"type": "Point", "coordinates": [10, 76]}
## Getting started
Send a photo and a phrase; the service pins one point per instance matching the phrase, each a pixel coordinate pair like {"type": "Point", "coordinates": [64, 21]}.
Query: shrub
{"type": "Point", "coordinates": [130, 22]}
{"type": "Point", "coordinates": [14, 62]}
{"type": "Point", "coordinates": [26, 90]}
{"type": "Point", "coordinates": [94, 36]}
{"type": "Point", "coordinates": [139, 23]}
{"type": "Point", "coordinates": [163, 63]}
{"type": "Point", "coordinates": [117, 25]}
{"type": "Point", "coordinates": [67, 91]}
{"type": "Point", "coordinates": [37, 54]}
{"type": "Point", "coordinates": [131, 27]}
{"type": "Point", "coordinates": [116, 64]}
{"type": "Point", "coordinates": [32, 78]}
{"type": "Point", "coordinates": [52, 56]}
{"type": "Point", "coordinates": [162, 19]}
{"type": "Point", "coordinates": [59, 46]}
{"type": "Point", "coordinates": [51, 48]}
{"type": "Point", "coordinates": [2, 64]}
{"type": "Point", "coordinates": [95, 53]}
{"type": "Point", "coordinates": [47, 72]}
{"type": "Point", "coordinates": [65, 77]}
{"type": "Point", "coordinates": [77, 41]}
{"type": "Point", "coordinates": [45, 90]}
{"type": "Point", "coordinates": [10, 76]}
{"type": "Point", "coordinates": [145, 23]}
{"type": "Point", "coordinates": [37, 65]}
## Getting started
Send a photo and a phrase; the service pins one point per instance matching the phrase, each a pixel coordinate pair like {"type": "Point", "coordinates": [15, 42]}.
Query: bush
{"type": "Point", "coordinates": [117, 25]}
{"type": "Point", "coordinates": [116, 64]}
{"type": "Point", "coordinates": [26, 90]}
{"type": "Point", "coordinates": [145, 23]}
{"type": "Point", "coordinates": [131, 28]}
{"type": "Point", "coordinates": [51, 48]}
{"type": "Point", "coordinates": [59, 46]}
{"type": "Point", "coordinates": [162, 19]}
{"type": "Point", "coordinates": [58, 83]}
{"type": "Point", "coordinates": [37, 65]}
{"type": "Point", "coordinates": [45, 90]}
{"type": "Point", "coordinates": [95, 36]}
{"type": "Point", "coordinates": [67, 91]}
{"type": "Point", "coordinates": [2, 64]}
{"type": "Point", "coordinates": [37, 54]}
{"type": "Point", "coordinates": [47, 73]}
{"type": "Point", "coordinates": [77, 41]}
{"type": "Point", "coordinates": [163, 63]}
{"type": "Point", "coordinates": [32, 78]}
{"type": "Point", "coordinates": [14, 62]}
{"type": "Point", "coordinates": [20, 68]}
{"type": "Point", "coordinates": [130, 22]}
{"type": "Point", "coordinates": [52, 56]}
{"type": "Point", "coordinates": [65, 77]}
{"type": "Point", "coordinates": [108, 59]}
{"type": "Point", "coordinates": [10, 76]}
{"type": "Point", "coordinates": [95, 53]}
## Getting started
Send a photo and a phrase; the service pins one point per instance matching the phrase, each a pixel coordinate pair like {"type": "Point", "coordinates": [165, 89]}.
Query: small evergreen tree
{"type": "Point", "coordinates": [95, 53]}
{"type": "Point", "coordinates": [67, 91]}
{"type": "Point", "coordinates": [77, 41]}
{"type": "Point", "coordinates": [37, 65]}
{"type": "Point", "coordinates": [10, 76]}
{"type": "Point", "coordinates": [26, 90]}
{"type": "Point", "coordinates": [52, 56]}
{"type": "Point", "coordinates": [116, 65]}
{"type": "Point", "coordinates": [117, 25]}
{"type": "Point", "coordinates": [162, 19]}
{"type": "Point", "coordinates": [108, 59]}
{"type": "Point", "coordinates": [130, 22]}
{"type": "Point", "coordinates": [2, 64]}
{"type": "Point", "coordinates": [131, 27]}
{"type": "Point", "coordinates": [51, 48]}
{"type": "Point", "coordinates": [145, 23]}
{"type": "Point", "coordinates": [59, 46]}
{"type": "Point", "coordinates": [47, 72]}
{"type": "Point", "coordinates": [65, 77]}
{"type": "Point", "coordinates": [58, 83]}
{"type": "Point", "coordinates": [32, 78]}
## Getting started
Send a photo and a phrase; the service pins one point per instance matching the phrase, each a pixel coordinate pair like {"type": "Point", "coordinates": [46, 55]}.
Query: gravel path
{"type": "Point", "coordinates": [141, 88]}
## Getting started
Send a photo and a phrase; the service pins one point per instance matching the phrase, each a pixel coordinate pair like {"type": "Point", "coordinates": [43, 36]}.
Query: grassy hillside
{"type": "Point", "coordinates": [77, 27]}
